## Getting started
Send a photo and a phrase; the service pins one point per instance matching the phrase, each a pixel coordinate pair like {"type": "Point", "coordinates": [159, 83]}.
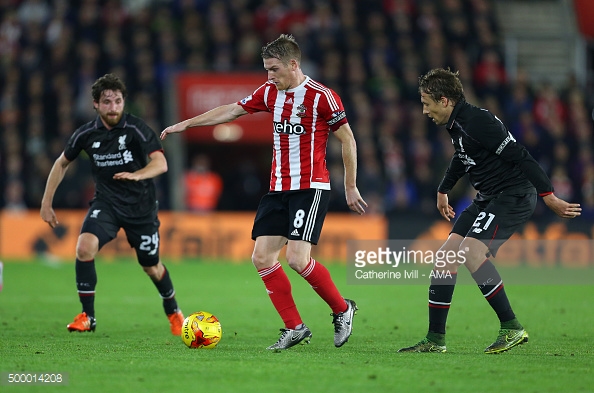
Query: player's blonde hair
{"type": "Point", "coordinates": [284, 48]}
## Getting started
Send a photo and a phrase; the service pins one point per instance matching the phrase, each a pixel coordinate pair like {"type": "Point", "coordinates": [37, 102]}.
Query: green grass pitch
{"type": "Point", "coordinates": [133, 351]}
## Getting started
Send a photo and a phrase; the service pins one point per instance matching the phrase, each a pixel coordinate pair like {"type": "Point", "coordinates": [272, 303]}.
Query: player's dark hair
{"type": "Point", "coordinates": [107, 82]}
{"type": "Point", "coordinates": [440, 82]}
{"type": "Point", "coordinates": [283, 48]}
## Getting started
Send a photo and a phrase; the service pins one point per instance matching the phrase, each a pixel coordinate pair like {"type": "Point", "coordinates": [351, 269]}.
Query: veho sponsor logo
{"type": "Point", "coordinates": [288, 128]}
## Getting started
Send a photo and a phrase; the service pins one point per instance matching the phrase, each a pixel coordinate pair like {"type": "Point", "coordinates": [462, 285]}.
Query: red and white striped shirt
{"type": "Point", "coordinates": [302, 119]}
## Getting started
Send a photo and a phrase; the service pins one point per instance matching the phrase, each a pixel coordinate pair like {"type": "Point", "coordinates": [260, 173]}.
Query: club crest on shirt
{"type": "Point", "coordinates": [301, 111]}
{"type": "Point", "coordinates": [122, 142]}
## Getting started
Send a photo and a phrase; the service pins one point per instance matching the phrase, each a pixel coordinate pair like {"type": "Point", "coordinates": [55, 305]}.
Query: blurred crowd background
{"type": "Point", "coordinates": [370, 52]}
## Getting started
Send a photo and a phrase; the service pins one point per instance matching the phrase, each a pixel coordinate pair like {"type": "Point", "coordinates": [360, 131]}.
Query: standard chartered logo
{"type": "Point", "coordinates": [113, 159]}
{"type": "Point", "coordinates": [128, 156]}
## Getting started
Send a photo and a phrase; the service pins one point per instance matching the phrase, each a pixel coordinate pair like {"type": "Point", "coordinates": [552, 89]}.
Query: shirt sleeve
{"type": "Point", "coordinates": [256, 102]}
{"type": "Point", "coordinates": [333, 111]}
{"type": "Point", "coordinates": [73, 146]}
{"type": "Point", "coordinates": [455, 171]}
{"type": "Point", "coordinates": [153, 143]}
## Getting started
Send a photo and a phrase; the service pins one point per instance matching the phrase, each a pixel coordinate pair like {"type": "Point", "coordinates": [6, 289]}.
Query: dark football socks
{"type": "Point", "coordinates": [86, 280]}
{"type": "Point", "coordinates": [441, 291]}
{"type": "Point", "coordinates": [165, 288]}
{"type": "Point", "coordinates": [491, 285]}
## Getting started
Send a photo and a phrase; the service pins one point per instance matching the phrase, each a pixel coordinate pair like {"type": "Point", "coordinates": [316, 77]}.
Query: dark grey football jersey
{"type": "Point", "coordinates": [124, 148]}
{"type": "Point", "coordinates": [490, 155]}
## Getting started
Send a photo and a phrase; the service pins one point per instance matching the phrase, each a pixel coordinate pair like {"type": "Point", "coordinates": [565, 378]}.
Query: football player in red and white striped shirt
{"type": "Point", "coordinates": [304, 114]}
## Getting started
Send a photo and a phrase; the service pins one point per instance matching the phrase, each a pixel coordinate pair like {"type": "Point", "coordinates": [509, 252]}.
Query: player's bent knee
{"type": "Point", "coordinates": [152, 271]}
{"type": "Point", "coordinates": [297, 263]}
{"type": "Point", "coordinates": [83, 254]}
{"type": "Point", "coordinates": [261, 262]}
{"type": "Point", "coordinates": [452, 244]}
{"type": "Point", "coordinates": [87, 247]}
{"type": "Point", "coordinates": [475, 253]}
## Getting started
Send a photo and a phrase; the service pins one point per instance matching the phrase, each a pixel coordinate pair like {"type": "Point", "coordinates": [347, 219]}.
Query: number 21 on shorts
{"type": "Point", "coordinates": [477, 227]}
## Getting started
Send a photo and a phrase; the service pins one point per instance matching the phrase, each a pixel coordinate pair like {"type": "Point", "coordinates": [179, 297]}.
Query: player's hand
{"type": "Point", "coordinates": [179, 127]}
{"type": "Point", "coordinates": [445, 209]}
{"type": "Point", "coordinates": [355, 201]}
{"type": "Point", "coordinates": [562, 208]}
{"type": "Point", "coordinates": [132, 176]}
{"type": "Point", "coordinates": [48, 215]}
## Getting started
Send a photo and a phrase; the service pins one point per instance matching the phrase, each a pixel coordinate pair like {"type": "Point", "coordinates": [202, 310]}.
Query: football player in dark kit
{"type": "Point", "coordinates": [508, 181]}
{"type": "Point", "coordinates": [125, 156]}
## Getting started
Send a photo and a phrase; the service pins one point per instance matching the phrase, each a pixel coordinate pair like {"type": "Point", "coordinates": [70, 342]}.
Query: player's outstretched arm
{"type": "Point", "coordinates": [218, 115]}
{"type": "Point", "coordinates": [562, 208]}
{"type": "Point", "coordinates": [53, 181]}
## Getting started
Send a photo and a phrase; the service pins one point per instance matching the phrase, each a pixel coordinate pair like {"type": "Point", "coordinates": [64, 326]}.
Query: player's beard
{"type": "Point", "coordinates": [111, 120]}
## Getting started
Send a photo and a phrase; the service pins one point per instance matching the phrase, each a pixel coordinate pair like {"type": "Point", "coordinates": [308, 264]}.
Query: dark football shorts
{"type": "Point", "coordinates": [142, 233]}
{"type": "Point", "coordinates": [495, 220]}
{"type": "Point", "coordinates": [296, 215]}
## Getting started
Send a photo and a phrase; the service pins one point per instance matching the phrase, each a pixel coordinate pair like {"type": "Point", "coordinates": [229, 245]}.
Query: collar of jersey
{"type": "Point", "coordinates": [457, 109]}
{"type": "Point", "coordinates": [307, 78]}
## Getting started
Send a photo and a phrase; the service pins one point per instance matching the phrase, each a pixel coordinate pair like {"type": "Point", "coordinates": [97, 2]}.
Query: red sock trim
{"type": "Point", "coordinates": [437, 306]}
{"type": "Point", "coordinates": [269, 270]}
{"type": "Point", "coordinates": [495, 292]}
{"type": "Point", "coordinates": [309, 268]}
